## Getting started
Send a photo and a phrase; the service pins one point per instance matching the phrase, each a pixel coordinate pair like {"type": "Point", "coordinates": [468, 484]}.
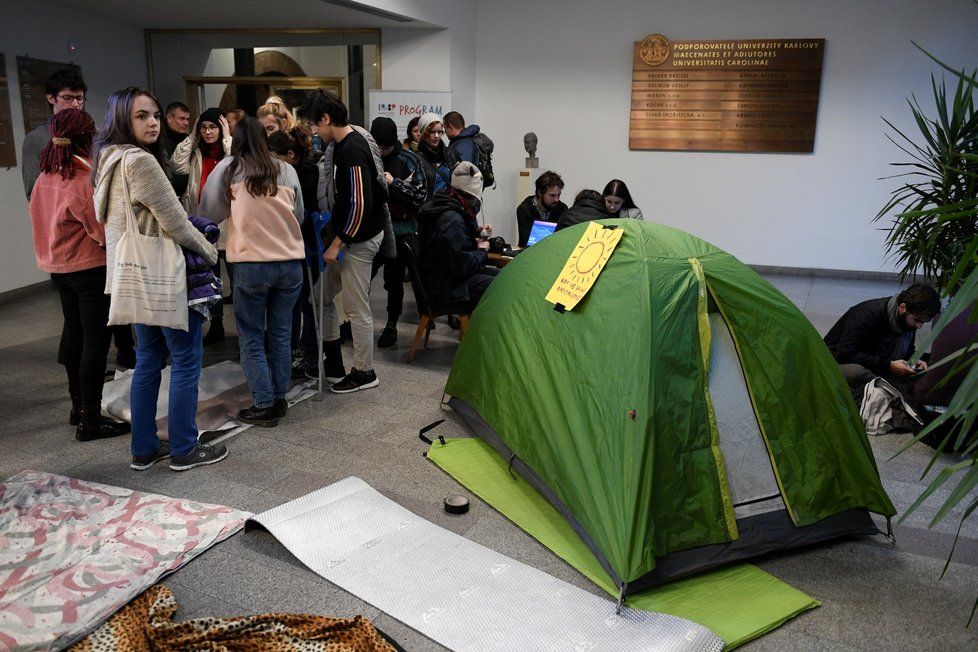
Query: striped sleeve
{"type": "Point", "coordinates": [357, 201]}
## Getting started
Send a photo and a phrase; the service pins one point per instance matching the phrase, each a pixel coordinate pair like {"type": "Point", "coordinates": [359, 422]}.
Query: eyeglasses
{"type": "Point", "coordinates": [68, 99]}
{"type": "Point", "coordinates": [209, 128]}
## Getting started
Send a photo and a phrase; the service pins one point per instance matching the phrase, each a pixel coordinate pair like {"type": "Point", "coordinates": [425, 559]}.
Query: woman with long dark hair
{"type": "Point", "coordinates": [69, 243]}
{"type": "Point", "coordinates": [618, 200]}
{"type": "Point", "coordinates": [261, 199]}
{"type": "Point", "coordinates": [129, 161]}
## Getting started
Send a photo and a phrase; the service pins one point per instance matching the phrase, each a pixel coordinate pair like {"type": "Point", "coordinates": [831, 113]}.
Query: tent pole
{"type": "Point", "coordinates": [889, 531]}
{"type": "Point", "coordinates": [318, 310]}
{"type": "Point", "coordinates": [621, 598]}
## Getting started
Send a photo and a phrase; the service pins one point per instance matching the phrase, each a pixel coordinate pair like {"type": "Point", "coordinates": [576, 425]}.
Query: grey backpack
{"type": "Point", "coordinates": [884, 410]}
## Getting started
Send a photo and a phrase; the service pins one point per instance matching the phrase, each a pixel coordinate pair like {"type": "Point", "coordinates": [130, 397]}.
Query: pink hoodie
{"type": "Point", "coordinates": [67, 237]}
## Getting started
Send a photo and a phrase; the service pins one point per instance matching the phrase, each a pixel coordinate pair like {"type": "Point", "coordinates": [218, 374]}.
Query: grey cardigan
{"type": "Point", "coordinates": [155, 204]}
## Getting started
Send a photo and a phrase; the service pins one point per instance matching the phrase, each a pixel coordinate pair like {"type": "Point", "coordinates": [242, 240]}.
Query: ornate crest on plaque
{"type": "Point", "coordinates": [654, 49]}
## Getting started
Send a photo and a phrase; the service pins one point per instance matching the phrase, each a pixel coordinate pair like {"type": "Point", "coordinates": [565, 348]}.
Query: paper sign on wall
{"type": "Point", "coordinates": [584, 265]}
{"type": "Point", "coordinates": [401, 106]}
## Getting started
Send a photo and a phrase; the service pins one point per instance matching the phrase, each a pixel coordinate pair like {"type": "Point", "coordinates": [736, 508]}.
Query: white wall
{"type": "Point", "coordinates": [439, 59]}
{"type": "Point", "coordinates": [563, 70]}
{"type": "Point", "coordinates": [111, 56]}
{"type": "Point", "coordinates": [415, 59]}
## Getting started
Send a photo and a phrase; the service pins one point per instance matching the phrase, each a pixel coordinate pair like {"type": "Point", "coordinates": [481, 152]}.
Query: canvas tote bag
{"type": "Point", "coordinates": [149, 281]}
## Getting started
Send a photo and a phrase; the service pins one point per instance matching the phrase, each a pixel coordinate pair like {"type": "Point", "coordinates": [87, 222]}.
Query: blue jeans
{"type": "Point", "coordinates": [264, 293]}
{"type": "Point", "coordinates": [186, 353]}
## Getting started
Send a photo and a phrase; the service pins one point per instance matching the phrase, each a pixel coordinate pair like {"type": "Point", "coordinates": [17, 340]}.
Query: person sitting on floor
{"type": "Point", "coordinates": [453, 256]}
{"type": "Point", "coordinates": [588, 205]}
{"type": "Point", "coordinates": [876, 338]}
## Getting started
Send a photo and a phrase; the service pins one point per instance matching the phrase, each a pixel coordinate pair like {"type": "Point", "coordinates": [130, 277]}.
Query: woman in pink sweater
{"type": "Point", "coordinates": [69, 243]}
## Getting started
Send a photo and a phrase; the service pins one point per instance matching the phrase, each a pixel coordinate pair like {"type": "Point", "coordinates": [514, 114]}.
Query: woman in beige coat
{"type": "Point", "coordinates": [127, 151]}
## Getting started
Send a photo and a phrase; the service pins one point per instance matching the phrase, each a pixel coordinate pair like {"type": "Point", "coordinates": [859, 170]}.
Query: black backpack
{"type": "Point", "coordinates": [484, 147]}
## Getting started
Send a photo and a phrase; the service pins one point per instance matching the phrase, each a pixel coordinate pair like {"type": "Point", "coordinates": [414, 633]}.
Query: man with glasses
{"type": "Point", "coordinates": [64, 89]}
{"type": "Point", "coordinates": [877, 337]}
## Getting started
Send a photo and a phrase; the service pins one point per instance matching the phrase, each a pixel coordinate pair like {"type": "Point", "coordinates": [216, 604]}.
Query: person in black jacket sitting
{"type": "Point", "coordinates": [588, 205]}
{"type": "Point", "coordinates": [545, 205]}
{"type": "Point", "coordinates": [877, 337]}
{"type": "Point", "coordinates": [453, 255]}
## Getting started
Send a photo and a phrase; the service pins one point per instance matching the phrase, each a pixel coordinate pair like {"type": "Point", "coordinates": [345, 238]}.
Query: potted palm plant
{"type": "Point", "coordinates": [935, 232]}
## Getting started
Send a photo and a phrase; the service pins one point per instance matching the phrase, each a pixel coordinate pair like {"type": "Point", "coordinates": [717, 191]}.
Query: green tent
{"type": "Point", "coordinates": [683, 415]}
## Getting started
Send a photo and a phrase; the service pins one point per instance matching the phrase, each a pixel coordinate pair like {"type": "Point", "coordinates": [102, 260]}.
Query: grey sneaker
{"type": "Point", "coordinates": [143, 462]}
{"type": "Point", "coordinates": [202, 455]}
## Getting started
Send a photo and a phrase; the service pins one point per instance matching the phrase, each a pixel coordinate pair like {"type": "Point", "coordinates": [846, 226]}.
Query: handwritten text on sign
{"type": "Point", "coordinates": [584, 265]}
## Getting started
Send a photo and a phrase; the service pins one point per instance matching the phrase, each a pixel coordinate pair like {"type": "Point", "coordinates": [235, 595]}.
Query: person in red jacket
{"type": "Point", "coordinates": [69, 243]}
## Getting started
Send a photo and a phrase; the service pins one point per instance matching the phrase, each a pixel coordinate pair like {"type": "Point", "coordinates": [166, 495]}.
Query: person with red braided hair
{"type": "Point", "coordinates": [69, 243]}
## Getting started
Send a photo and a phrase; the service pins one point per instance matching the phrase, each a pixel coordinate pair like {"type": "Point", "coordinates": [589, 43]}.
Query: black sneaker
{"type": "Point", "coordinates": [355, 381]}
{"type": "Point", "coordinates": [201, 455]}
{"type": "Point", "coordinates": [143, 462]}
{"type": "Point", "coordinates": [388, 337]}
{"type": "Point", "coordinates": [267, 416]}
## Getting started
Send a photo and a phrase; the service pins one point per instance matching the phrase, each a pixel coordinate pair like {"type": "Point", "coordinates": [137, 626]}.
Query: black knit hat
{"type": "Point", "coordinates": [384, 131]}
{"type": "Point", "coordinates": [213, 114]}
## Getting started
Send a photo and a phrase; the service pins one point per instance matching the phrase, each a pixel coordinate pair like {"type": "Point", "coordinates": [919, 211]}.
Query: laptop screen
{"type": "Point", "coordinates": [539, 231]}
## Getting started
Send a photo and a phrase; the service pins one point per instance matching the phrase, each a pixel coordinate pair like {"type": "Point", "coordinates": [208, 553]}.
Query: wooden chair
{"type": "Point", "coordinates": [427, 311]}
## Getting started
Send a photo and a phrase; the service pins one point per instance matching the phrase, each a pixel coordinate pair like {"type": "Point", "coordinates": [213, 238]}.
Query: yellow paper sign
{"type": "Point", "coordinates": [584, 265]}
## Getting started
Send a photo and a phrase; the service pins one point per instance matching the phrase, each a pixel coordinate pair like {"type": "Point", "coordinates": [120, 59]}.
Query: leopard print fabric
{"type": "Point", "coordinates": [146, 625]}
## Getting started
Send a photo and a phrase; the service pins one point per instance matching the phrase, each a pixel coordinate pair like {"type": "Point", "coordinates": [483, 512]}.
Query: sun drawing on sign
{"type": "Point", "coordinates": [584, 263]}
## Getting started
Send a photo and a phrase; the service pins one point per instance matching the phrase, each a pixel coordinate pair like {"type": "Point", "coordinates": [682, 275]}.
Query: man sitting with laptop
{"type": "Point", "coordinates": [544, 206]}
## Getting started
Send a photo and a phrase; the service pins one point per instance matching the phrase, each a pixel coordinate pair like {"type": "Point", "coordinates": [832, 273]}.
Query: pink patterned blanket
{"type": "Point", "coordinates": [73, 552]}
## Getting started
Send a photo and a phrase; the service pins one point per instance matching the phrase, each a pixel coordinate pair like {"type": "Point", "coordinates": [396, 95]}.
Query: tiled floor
{"type": "Point", "coordinates": [874, 595]}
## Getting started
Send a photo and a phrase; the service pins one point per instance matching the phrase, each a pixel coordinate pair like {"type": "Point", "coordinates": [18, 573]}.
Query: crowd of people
{"type": "Point", "coordinates": [289, 202]}
{"type": "Point", "coordinates": [285, 200]}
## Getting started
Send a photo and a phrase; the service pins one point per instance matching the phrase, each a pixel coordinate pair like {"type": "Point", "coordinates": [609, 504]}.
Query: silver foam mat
{"type": "Point", "coordinates": [457, 592]}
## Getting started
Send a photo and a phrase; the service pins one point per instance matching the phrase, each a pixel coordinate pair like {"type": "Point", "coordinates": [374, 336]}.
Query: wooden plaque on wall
{"type": "Point", "coordinates": [32, 73]}
{"type": "Point", "coordinates": [8, 154]}
{"type": "Point", "coordinates": [743, 95]}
